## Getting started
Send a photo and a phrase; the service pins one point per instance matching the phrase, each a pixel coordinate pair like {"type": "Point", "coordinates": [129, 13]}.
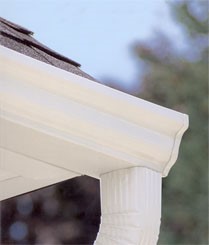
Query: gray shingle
{"type": "Point", "coordinates": [20, 39]}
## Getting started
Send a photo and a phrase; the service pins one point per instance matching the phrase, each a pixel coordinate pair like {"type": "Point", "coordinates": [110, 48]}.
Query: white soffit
{"type": "Point", "coordinates": [69, 122]}
{"type": "Point", "coordinates": [20, 174]}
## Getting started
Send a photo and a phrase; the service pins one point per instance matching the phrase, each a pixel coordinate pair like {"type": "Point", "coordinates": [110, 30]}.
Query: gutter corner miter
{"type": "Point", "coordinates": [81, 127]}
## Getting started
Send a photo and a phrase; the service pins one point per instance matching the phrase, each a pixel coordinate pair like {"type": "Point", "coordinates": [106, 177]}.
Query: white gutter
{"type": "Point", "coordinates": [69, 122]}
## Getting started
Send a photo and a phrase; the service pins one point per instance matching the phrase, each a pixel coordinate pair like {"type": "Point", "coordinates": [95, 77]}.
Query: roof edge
{"type": "Point", "coordinates": [106, 121]}
{"type": "Point", "coordinates": [16, 27]}
{"type": "Point", "coordinates": [35, 44]}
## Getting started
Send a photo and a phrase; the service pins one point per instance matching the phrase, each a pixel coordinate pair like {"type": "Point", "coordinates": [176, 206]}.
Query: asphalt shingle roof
{"type": "Point", "coordinates": [20, 39]}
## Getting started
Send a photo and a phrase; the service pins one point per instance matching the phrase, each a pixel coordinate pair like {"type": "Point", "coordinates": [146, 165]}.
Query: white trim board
{"type": "Point", "coordinates": [71, 122]}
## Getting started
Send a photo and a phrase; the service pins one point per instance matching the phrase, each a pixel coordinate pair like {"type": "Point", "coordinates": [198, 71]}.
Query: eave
{"type": "Point", "coordinates": [72, 123]}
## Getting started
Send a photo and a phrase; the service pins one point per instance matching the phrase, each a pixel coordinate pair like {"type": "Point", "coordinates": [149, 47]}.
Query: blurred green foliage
{"type": "Point", "coordinates": [178, 78]}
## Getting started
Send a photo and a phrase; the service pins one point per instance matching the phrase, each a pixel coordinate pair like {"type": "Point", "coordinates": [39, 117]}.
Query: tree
{"type": "Point", "coordinates": [178, 79]}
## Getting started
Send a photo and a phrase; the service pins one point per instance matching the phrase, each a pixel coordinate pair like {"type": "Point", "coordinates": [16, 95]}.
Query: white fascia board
{"type": "Point", "coordinates": [75, 123]}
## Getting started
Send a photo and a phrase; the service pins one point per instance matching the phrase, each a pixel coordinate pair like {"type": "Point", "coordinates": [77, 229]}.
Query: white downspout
{"type": "Point", "coordinates": [131, 207]}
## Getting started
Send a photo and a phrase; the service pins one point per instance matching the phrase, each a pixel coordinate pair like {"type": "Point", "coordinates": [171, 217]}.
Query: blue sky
{"type": "Point", "coordinates": [96, 33]}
